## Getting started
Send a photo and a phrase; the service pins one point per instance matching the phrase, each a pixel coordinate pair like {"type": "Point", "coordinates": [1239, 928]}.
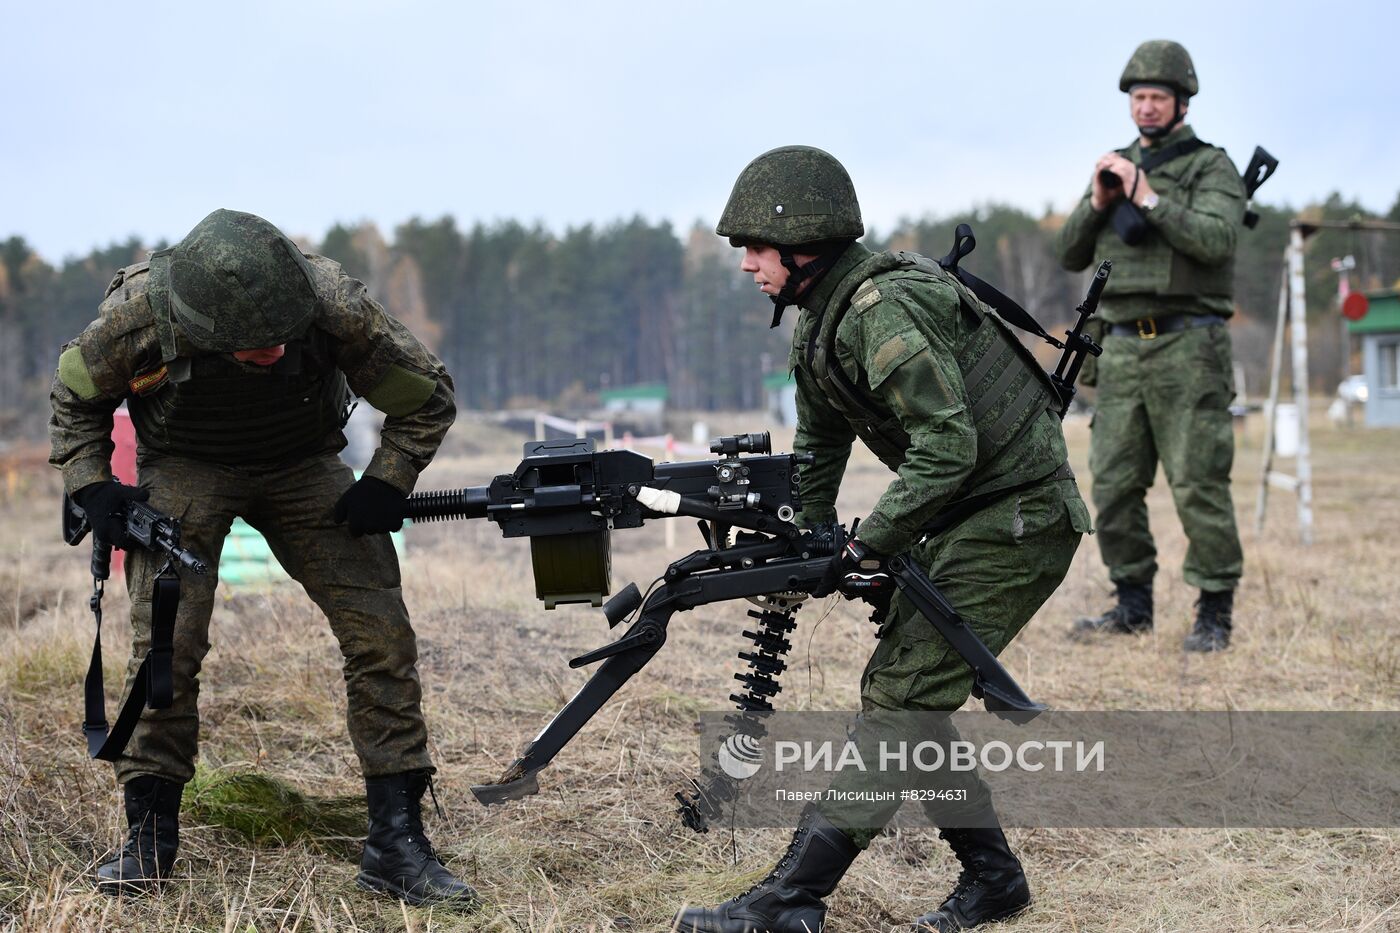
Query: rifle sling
{"type": "Point", "coordinates": [154, 682]}
{"type": "Point", "coordinates": [1128, 220]}
{"type": "Point", "coordinates": [1177, 149]}
{"type": "Point", "coordinates": [964, 243]}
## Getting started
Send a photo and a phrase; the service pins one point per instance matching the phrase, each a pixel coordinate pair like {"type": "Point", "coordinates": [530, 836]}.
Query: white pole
{"type": "Point", "coordinates": [1297, 299]}
{"type": "Point", "coordinates": [1266, 459]}
{"type": "Point", "coordinates": [670, 525]}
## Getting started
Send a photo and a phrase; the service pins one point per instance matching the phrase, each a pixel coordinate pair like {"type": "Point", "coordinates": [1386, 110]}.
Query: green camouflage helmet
{"type": "Point", "coordinates": [238, 283]}
{"type": "Point", "coordinates": [791, 196]}
{"type": "Point", "coordinates": [1161, 61]}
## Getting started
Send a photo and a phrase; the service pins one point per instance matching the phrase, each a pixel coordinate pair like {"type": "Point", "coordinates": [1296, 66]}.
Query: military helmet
{"type": "Point", "coordinates": [1161, 61]}
{"type": "Point", "coordinates": [238, 283]}
{"type": "Point", "coordinates": [791, 196]}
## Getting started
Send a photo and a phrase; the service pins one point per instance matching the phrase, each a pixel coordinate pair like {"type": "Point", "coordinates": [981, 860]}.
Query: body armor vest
{"type": "Point", "coordinates": [212, 407]}
{"type": "Point", "coordinates": [1153, 267]}
{"type": "Point", "coordinates": [1006, 386]}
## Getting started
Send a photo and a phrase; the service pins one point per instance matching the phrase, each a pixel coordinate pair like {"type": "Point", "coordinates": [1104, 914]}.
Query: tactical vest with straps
{"type": "Point", "coordinates": [1153, 267]}
{"type": "Point", "coordinates": [1006, 386]}
{"type": "Point", "coordinates": [214, 408]}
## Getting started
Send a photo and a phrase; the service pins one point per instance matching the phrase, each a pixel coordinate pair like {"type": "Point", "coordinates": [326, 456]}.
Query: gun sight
{"type": "Point", "coordinates": [731, 444]}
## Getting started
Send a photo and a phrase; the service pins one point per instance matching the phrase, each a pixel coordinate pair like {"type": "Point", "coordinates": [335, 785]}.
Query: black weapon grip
{"type": "Point", "coordinates": [75, 523]}
{"type": "Point", "coordinates": [101, 559]}
{"type": "Point", "coordinates": [1261, 167]}
{"type": "Point", "coordinates": [1096, 286]}
{"type": "Point", "coordinates": [995, 686]}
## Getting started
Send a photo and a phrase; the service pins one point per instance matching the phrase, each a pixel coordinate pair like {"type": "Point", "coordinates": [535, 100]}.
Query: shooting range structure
{"type": "Point", "coordinates": [1292, 328]}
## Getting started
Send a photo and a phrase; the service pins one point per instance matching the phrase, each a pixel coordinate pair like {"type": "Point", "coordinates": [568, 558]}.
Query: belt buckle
{"type": "Point", "coordinates": [1150, 331]}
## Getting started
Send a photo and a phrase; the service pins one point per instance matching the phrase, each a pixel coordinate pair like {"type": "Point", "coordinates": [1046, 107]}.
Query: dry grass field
{"type": "Point", "coordinates": [600, 848]}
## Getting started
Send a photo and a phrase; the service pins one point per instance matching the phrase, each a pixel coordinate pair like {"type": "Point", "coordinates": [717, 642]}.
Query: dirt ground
{"type": "Point", "coordinates": [600, 848]}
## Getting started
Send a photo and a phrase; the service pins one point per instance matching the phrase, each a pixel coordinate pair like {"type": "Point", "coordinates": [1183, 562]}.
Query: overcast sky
{"type": "Point", "coordinates": [138, 119]}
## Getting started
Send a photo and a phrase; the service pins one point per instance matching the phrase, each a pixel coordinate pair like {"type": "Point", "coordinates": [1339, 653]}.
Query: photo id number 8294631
{"type": "Point", "coordinates": [926, 793]}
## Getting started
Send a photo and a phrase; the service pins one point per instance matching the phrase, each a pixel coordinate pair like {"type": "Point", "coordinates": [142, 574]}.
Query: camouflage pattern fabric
{"type": "Point", "coordinates": [1166, 398]}
{"type": "Point", "coordinates": [120, 354]}
{"type": "Point", "coordinates": [1161, 61]}
{"type": "Point", "coordinates": [1186, 263]}
{"type": "Point", "coordinates": [791, 196]}
{"type": "Point", "coordinates": [237, 283]}
{"type": "Point", "coordinates": [355, 582]}
{"type": "Point", "coordinates": [898, 343]}
{"type": "Point", "coordinates": [996, 568]}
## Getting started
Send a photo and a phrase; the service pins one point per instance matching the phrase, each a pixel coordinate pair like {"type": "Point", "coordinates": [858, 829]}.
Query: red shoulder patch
{"type": "Point", "coordinates": [146, 383]}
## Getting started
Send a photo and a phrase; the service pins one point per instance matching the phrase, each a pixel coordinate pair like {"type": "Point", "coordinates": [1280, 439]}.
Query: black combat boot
{"type": "Point", "coordinates": [399, 860]}
{"type": "Point", "coordinates": [991, 887]}
{"type": "Point", "coordinates": [1214, 619]}
{"type": "Point", "coordinates": [1132, 615]}
{"type": "Point", "coordinates": [789, 899]}
{"type": "Point", "coordinates": [153, 836]}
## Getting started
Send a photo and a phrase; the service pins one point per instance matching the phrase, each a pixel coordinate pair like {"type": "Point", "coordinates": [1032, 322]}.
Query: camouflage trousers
{"type": "Point", "coordinates": [1166, 399]}
{"type": "Point", "coordinates": [996, 568]}
{"type": "Point", "coordinates": [355, 582]}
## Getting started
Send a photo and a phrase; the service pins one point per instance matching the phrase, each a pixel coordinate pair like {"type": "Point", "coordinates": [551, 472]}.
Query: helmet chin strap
{"type": "Point", "coordinates": [797, 276]}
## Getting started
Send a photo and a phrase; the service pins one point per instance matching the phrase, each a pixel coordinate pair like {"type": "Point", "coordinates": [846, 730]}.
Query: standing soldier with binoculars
{"type": "Point", "coordinates": [1167, 210]}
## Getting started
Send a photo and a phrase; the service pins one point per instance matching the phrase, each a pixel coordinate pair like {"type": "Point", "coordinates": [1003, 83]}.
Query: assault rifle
{"type": "Point", "coordinates": [1078, 342]}
{"type": "Point", "coordinates": [157, 532]}
{"type": "Point", "coordinates": [567, 497]}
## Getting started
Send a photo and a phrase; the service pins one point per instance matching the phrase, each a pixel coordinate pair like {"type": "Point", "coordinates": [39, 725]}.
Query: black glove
{"type": "Point", "coordinates": [862, 572]}
{"type": "Point", "coordinates": [104, 504]}
{"type": "Point", "coordinates": [372, 507]}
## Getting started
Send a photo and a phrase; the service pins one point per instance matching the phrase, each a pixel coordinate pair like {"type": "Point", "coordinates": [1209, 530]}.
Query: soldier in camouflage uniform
{"type": "Point", "coordinates": [236, 354]}
{"type": "Point", "coordinates": [1165, 377]}
{"type": "Point", "coordinates": [895, 351]}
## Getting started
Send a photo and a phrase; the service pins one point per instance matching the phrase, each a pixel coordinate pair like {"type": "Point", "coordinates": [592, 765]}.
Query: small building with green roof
{"type": "Point", "coordinates": [1379, 331]}
{"type": "Point", "coordinates": [646, 398]}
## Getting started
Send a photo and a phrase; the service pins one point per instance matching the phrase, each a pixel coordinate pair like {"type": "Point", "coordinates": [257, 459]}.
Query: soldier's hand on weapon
{"type": "Point", "coordinates": [862, 572]}
{"type": "Point", "coordinates": [371, 507]}
{"type": "Point", "coordinates": [105, 505]}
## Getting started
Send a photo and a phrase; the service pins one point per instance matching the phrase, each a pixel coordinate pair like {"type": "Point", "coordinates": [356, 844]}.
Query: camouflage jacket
{"type": "Point", "coordinates": [899, 343]}
{"type": "Point", "coordinates": [1185, 264]}
{"type": "Point", "coordinates": [119, 354]}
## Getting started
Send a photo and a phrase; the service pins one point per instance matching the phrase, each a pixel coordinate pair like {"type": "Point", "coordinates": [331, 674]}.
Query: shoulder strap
{"type": "Point", "coordinates": [963, 244]}
{"type": "Point", "coordinates": [1175, 151]}
{"type": "Point", "coordinates": [158, 294]}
